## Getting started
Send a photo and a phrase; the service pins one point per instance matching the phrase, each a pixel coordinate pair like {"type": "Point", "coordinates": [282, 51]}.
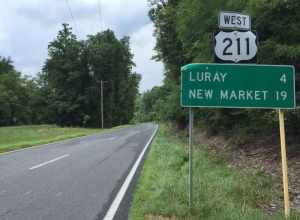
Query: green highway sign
{"type": "Point", "coordinates": [238, 86]}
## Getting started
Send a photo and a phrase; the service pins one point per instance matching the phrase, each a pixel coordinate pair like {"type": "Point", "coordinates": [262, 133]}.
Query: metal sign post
{"type": "Point", "coordinates": [101, 83]}
{"type": "Point", "coordinates": [191, 124]}
{"type": "Point", "coordinates": [238, 86]}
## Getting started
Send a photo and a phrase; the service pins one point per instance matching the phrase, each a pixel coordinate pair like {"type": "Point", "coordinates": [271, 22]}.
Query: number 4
{"type": "Point", "coordinates": [283, 78]}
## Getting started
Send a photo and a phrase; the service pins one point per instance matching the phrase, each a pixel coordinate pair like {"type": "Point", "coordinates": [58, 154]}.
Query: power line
{"type": "Point", "coordinates": [100, 14]}
{"type": "Point", "coordinates": [72, 16]}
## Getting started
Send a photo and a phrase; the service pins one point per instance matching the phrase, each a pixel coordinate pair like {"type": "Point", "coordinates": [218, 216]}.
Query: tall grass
{"type": "Point", "coordinates": [220, 192]}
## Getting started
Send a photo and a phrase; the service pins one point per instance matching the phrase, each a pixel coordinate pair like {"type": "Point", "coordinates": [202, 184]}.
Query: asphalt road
{"type": "Point", "coordinates": [70, 180]}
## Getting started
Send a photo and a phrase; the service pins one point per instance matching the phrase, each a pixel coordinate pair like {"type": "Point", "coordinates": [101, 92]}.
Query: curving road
{"type": "Point", "coordinates": [70, 180]}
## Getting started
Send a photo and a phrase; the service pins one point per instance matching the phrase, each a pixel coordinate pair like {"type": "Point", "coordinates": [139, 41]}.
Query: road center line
{"type": "Point", "coordinates": [111, 138]}
{"type": "Point", "coordinates": [118, 199]}
{"type": "Point", "coordinates": [48, 162]}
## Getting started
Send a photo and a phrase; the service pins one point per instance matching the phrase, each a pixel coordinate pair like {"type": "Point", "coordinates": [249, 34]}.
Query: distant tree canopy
{"type": "Point", "coordinates": [183, 29]}
{"type": "Point", "coordinates": [67, 91]}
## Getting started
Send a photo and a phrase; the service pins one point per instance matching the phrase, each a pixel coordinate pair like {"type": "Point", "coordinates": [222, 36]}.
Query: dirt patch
{"type": "Point", "coordinates": [263, 153]}
{"type": "Point", "coordinates": [160, 217]}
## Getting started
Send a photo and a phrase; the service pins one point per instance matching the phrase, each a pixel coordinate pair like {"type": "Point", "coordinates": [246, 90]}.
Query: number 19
{"type": "Point", "coordinates": [281, 96]}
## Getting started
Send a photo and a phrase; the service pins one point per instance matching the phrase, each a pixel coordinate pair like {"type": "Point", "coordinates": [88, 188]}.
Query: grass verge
{"type": "Point", "coordinates": [220, 192]}
{"type": "Point", "coordinates": [14, 138]}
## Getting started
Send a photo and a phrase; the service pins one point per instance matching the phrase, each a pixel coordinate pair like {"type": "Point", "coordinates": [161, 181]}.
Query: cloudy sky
{"type": "Point", "coordinates": [27, 26]}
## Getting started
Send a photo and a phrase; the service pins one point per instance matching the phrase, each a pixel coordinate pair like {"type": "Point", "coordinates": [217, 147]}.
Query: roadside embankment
{"type": "Point", "coordinates": [18, 137]}
{"type": "Point", "coordinates": [220, 191]}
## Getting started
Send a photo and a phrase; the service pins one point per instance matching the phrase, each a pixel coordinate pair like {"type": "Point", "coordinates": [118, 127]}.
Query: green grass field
{"type": "Point", "coordinates": [13, 138]}
{"type": "Point", "coordinates": [220, 192]}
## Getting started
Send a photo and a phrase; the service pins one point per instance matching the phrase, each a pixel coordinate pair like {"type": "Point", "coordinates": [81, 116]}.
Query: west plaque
{"type": "Point", "coordinates": [234, 21]}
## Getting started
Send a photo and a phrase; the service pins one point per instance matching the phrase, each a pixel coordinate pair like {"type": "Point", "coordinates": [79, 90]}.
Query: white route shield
{"type": "Point", "coordinates": [235, 46]}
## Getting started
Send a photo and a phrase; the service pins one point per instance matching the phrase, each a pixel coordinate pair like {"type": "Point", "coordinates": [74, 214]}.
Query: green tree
{"type": "Point", "coordinates": [67, 92]}
{"type": "Point", "coordinates": [110, 60]}
{"type": "Point", "coordinates": [6, 65]}
{"type": "Point", "coordinates": [14, 96]}
{"type": "Point", "coordinates": [184, 32]}
{"type": "Point", "coordinates": [67, 78]}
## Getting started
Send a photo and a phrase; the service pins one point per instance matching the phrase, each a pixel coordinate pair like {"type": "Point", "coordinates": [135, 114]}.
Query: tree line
{"type": "Point", "coordinates": [67, 90]}
{"type": "Point", "coordinates": [184, 32]}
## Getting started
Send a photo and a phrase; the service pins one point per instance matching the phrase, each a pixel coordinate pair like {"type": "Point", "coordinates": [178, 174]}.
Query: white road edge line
{"type": "Point", "coordinates": [118, 199]}
{"type": "Point", "coordinates": [49, 161]}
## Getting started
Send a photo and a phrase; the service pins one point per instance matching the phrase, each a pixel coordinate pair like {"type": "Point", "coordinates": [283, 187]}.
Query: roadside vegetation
{"type": "Point", "coordinates": [220, 191]}
{"type": "Point", "coordinates": [66, 92]}
{"type": "Point", "coordinates": [184, 34]}
{"type": "Point", "coordinates": [13, 138]}
{"type": "Point", "coordinates": [250, 137]}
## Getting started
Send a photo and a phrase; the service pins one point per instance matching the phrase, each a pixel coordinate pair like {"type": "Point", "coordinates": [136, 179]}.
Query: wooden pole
{"type": "Point", "coordinates": [284, 164]}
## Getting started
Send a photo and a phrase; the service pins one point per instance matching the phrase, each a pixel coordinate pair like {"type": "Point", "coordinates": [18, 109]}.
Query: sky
{"type": "Point", "coordinates": [27, 26]}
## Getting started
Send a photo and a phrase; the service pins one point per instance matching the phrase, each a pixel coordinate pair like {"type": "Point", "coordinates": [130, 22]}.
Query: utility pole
{"type": "Point", "coordinates": [101, 82]}
{"type": "Point", "coordinates": [101, 123]}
